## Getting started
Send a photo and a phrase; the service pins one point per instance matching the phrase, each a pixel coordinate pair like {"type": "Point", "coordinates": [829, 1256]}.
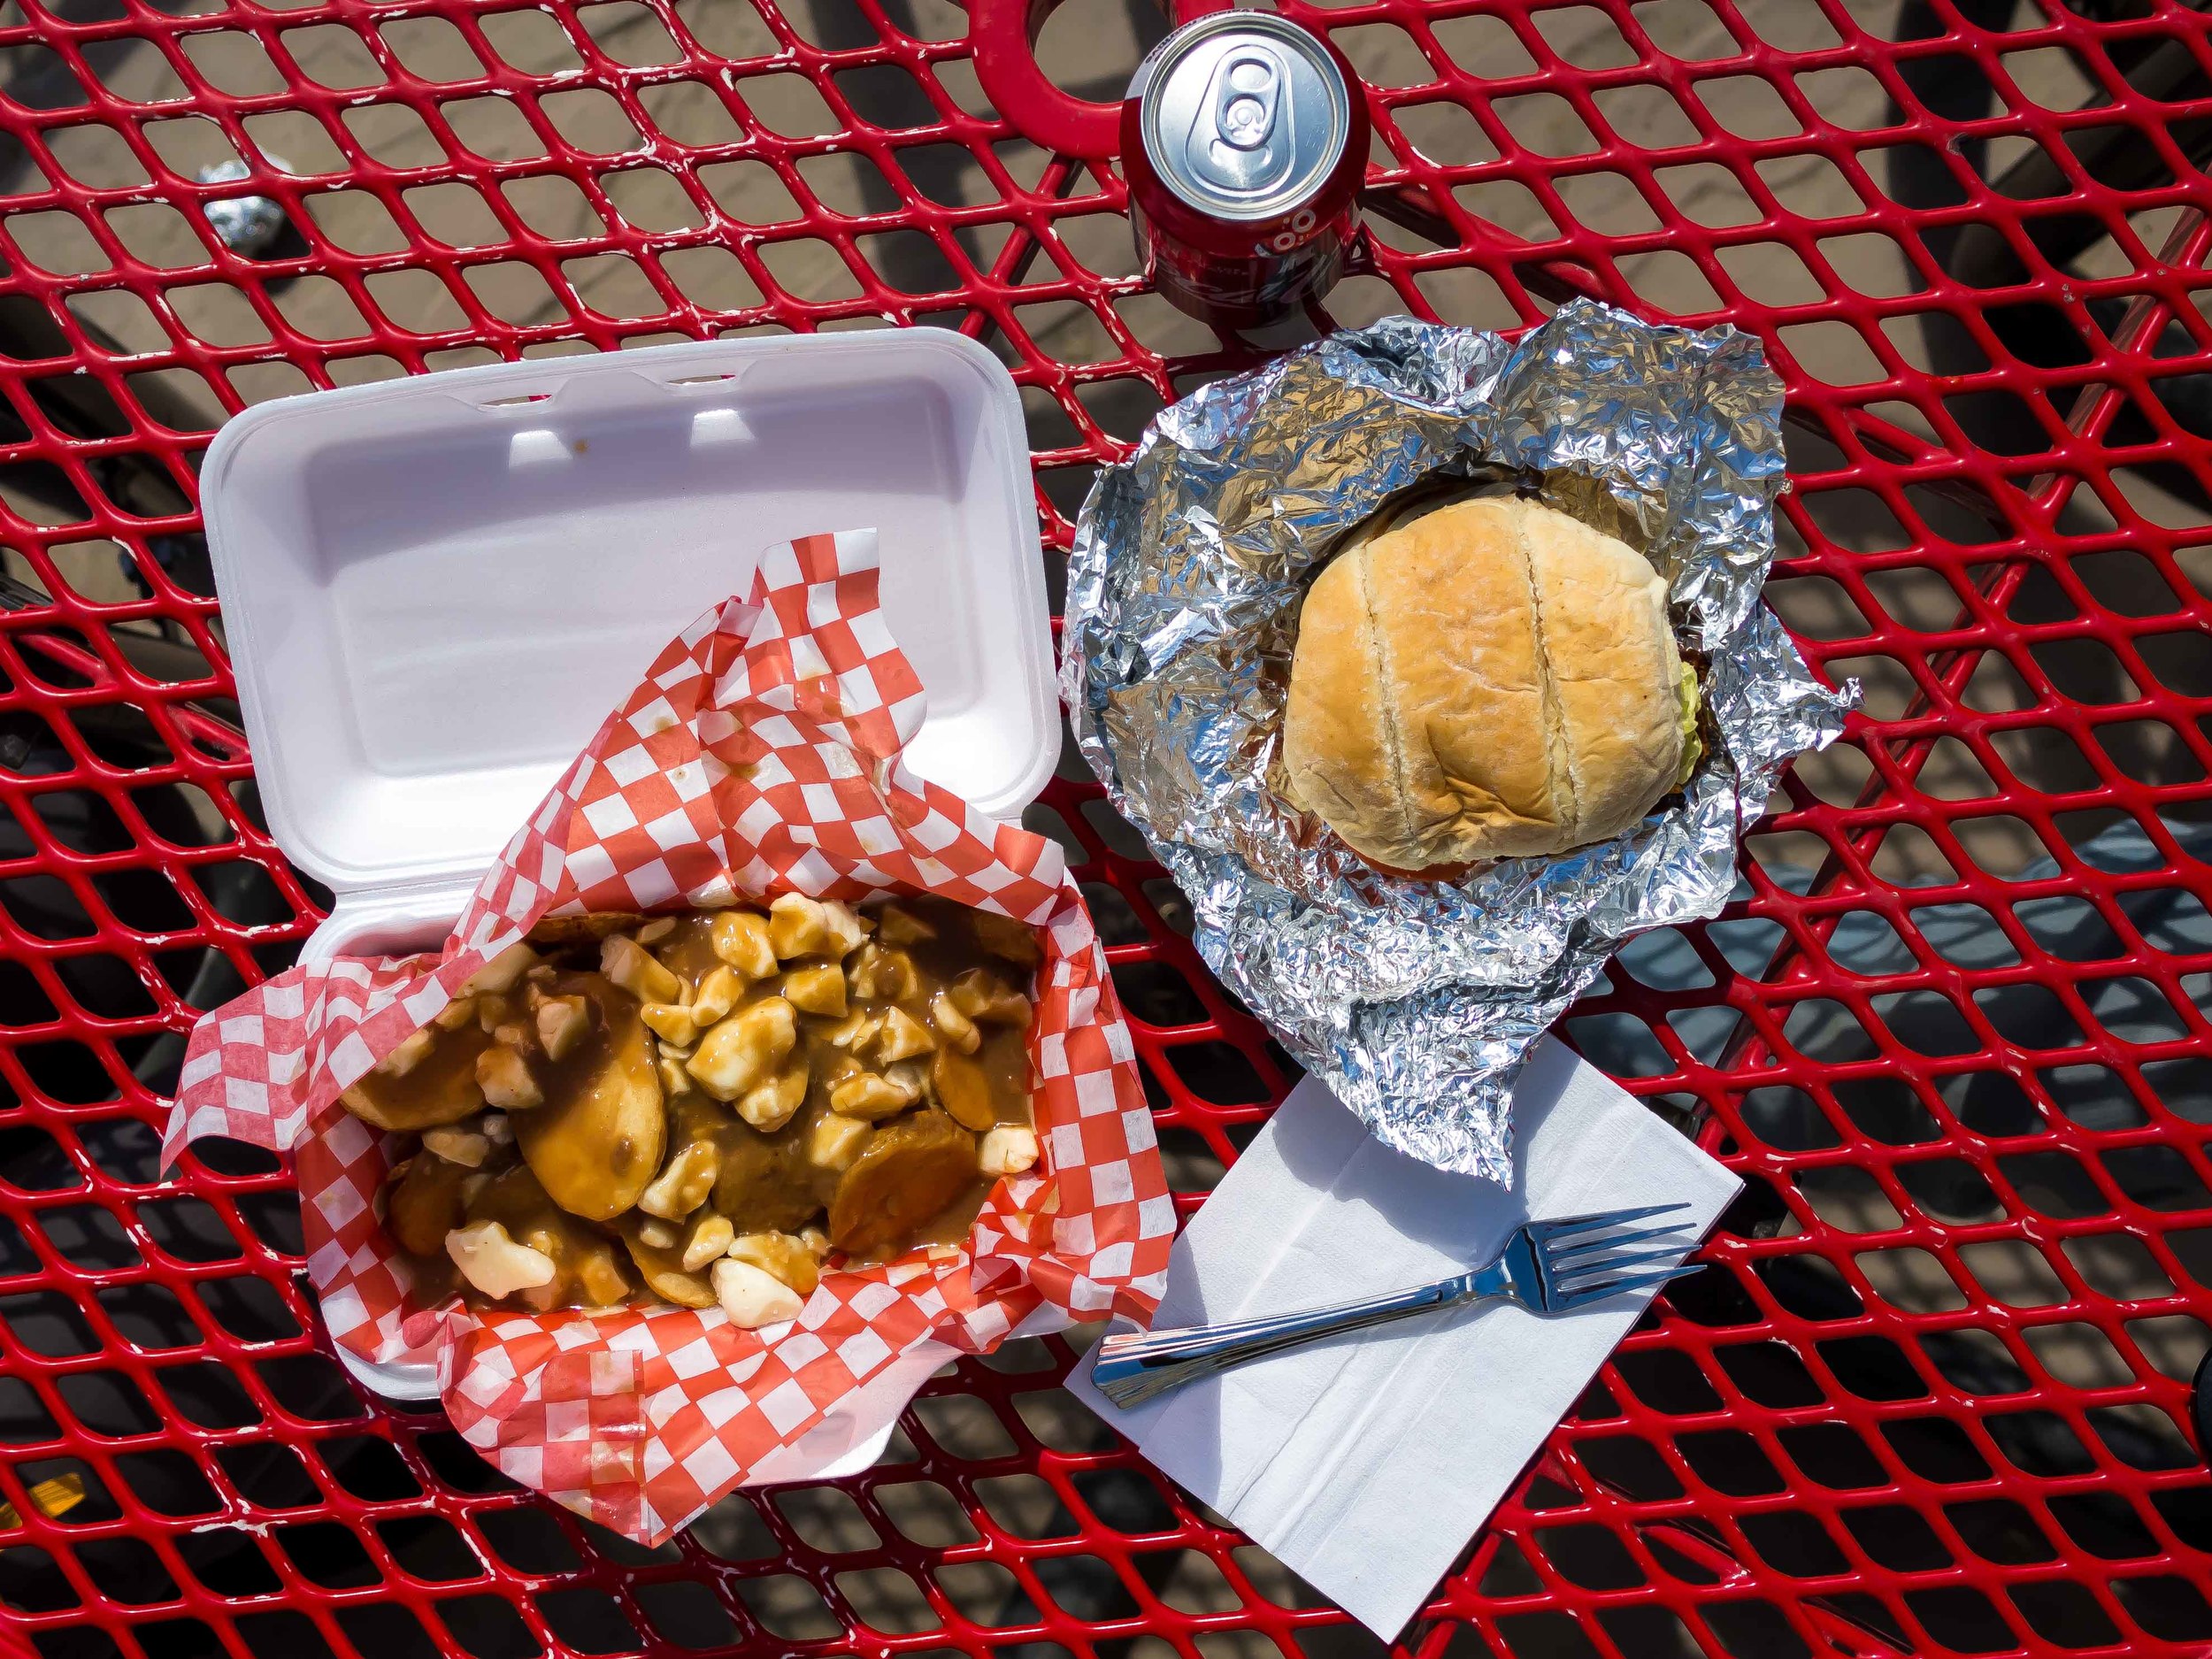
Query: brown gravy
{"type": "Point", "coordinates": [616, 1112]}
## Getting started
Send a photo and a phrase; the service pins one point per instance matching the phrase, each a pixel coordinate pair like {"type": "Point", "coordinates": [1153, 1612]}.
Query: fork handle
{"type": "Point", "coordinates": [1135, 1366]}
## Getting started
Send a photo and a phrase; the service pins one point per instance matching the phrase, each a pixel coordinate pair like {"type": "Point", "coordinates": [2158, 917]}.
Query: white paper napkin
{"type": "Point", "coordinates": [1365, 1463]}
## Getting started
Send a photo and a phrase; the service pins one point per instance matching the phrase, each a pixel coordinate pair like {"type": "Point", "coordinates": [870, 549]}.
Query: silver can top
{"type": "Point", "coordinates": [1242, 114]}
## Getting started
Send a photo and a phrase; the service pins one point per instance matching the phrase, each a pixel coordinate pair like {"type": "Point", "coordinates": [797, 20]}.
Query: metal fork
{"type": "Point", "coordinates": [1548, 1266]}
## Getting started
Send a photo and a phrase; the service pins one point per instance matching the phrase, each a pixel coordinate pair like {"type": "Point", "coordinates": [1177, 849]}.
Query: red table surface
{"type": "Point", "coordinates": [1931, 1392]}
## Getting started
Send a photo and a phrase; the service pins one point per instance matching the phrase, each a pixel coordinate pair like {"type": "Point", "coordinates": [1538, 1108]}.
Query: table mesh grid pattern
{"type": "Point", "coordinates": [1930, 1394]}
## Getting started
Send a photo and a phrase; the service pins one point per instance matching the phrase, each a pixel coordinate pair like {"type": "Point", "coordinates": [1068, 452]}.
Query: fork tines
{"type": "Point", "coordinates": [1585, 1258]}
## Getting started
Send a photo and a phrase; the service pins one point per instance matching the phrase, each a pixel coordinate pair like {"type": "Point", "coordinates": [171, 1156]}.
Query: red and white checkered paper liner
{"type": "Point", "coordinates": [759, 755]}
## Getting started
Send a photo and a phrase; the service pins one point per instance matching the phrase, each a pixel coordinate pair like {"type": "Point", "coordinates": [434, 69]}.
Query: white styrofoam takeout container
{"type": "Point", "coordinates": [435, 588]}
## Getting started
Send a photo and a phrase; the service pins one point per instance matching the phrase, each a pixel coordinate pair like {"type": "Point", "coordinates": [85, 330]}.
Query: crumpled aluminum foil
{"type": "Point", "coordinates": [1416, 1002]}
{"type": "Point", "coordinates": [248, 225]}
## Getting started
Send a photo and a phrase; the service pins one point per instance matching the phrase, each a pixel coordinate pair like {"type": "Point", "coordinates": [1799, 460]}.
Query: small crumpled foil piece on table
{"type": "Point", "coordinates": [1417, 1001]}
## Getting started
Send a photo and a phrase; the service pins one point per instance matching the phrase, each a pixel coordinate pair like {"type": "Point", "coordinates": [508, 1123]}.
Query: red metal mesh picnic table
{"type": "Point", "coordinates": [1930, 1395]}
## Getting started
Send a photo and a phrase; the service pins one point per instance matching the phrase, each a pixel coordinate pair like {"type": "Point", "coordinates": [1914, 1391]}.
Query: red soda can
{"type": "Point", "coordinates": [1245, 145]}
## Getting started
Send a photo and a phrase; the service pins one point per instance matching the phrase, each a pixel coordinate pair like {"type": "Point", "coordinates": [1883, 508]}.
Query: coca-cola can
{"type": "Point", "coordinates": [1244, 143]}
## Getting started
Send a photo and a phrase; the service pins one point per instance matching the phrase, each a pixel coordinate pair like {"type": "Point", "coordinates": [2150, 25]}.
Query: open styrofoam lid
{"type": "Point", "coordinates": [436, 589]}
